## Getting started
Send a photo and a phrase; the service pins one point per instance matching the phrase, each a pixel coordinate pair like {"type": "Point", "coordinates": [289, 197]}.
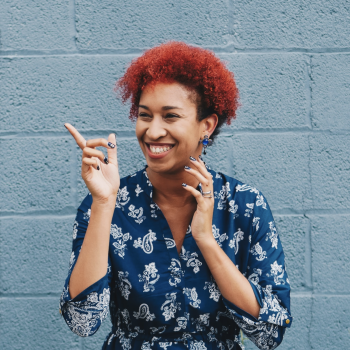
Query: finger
{"type": "Point", "coordinates": [94, 162]}
{"type": "Point", "coordinates": [93, 143]}
{"type": "Point", "coordinates": [200, 166]}
{"type": "Point", "coordinates": [91, 152]}
{"type": "Point", "coordinates": [196, 194]}
{"type": "Point", "coordinates": [203, 180]}
{"type": "Point", "coordinates": [81, 142]}
{"type": "Point", "coordinates": [112, 152]}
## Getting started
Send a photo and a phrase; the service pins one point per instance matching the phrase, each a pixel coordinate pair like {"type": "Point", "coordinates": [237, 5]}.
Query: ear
{"type": "Point", "coordinates": [209, 124]}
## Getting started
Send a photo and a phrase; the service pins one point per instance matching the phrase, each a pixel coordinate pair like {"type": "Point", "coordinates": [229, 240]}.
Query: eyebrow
{"type": "Point", "coordinates": [164, 108]}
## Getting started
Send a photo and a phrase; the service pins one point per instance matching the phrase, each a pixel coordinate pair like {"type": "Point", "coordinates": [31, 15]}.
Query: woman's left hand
{"type": "Point", "coordinates": [201, 225]}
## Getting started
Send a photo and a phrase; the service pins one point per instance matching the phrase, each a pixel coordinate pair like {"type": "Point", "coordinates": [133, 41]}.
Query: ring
{"type": "Point", "coordinates": [206, 192]}
{"type": "Point", "coordinates": [207, 196]}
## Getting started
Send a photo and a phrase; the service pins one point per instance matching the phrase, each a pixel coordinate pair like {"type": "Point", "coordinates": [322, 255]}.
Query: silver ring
{"type": "Point", "coordinates": [206, 192]}
{"type": "Point", "coordinates": [207, 196]}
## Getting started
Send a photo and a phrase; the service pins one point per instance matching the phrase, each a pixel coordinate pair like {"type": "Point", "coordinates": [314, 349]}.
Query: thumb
{"type": "Point", "coordinates": [112, 152]}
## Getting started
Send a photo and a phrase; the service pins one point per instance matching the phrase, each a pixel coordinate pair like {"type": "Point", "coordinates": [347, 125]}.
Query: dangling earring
{"type": "Point", "coordinates": [206, 143]}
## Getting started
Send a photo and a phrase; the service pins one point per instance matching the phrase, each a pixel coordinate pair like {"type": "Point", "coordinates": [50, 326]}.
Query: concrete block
{"type": "Point", "coordinates": [296, 24]}
{"type": "Point", "coordinates": [95, 341]}
{"type": "Point", "coordinates": [330, 323]}
{"type": "Point", "coordinates": [330, 92]}
{"type": "Point", "coordinates": [43, 93]}
{"type": "Point", "coordinates": [141, 24]}
{"type": "Point", "coordinates": [36, 25]}
{"type": "Point", "coordinates": [34, 323]}
{"type": "Point", "coordinates": [330, 253]}
{"type": "Point", "coordinates": [35, 254]}
{"type": "Point", "coordinates": [219, 157]}
{"type": "Point", "coordinates": [277, 165]}
{"type": "Point", "coordinates": [330, 171]}
{"type": "Point", "coordinates": [130, 160]}
{"type": "Point", "coordinates": [293, 232]}
{"type": "Point", "coordinates": [273, 90]}
{"type": "Point", "coordinates": [35, 174]}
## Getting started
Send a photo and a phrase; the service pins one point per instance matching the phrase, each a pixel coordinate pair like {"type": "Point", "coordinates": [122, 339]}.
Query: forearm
{"type": "Point", "coordinates": [232, 284]}
{"type": "Point", "coordinates": [93, 257]}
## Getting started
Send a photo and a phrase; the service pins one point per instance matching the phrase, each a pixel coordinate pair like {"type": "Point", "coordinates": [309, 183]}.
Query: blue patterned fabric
{"type": "Point", "coordinates": [159, 299]}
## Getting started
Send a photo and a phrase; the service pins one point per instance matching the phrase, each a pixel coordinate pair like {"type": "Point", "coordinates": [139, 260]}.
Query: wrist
{"type": "Point", "coordinates": [206, 241]}
{"type": "Point", "coordinates": [107, 204]}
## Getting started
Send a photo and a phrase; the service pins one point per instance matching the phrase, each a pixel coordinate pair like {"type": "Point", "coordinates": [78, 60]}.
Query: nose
{"type": "Point", "coordinates": [156, 129]}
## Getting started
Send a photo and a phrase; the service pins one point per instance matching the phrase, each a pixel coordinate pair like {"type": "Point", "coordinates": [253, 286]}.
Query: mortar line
{"type": "Point", "coordinates": [6, 296]}
{"type": "Point", "coordinates": [70, 211]}
{"type": "Point", "coordinates": [308, 85]}
{"type": "Point", "coordinates": [229, 49]}
{"type": "Point", "coordinates": [130, 134]}
{"type": "Point", "coordinates": [74, 170]}
{"type": "Point", "coordinates": [308, 256]}
{"type": "Point", "coordinates": [73, 24]}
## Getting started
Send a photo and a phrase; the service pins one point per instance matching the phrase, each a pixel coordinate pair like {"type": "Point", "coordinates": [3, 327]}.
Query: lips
{"type": "Point", "coordinates": [158, 150]}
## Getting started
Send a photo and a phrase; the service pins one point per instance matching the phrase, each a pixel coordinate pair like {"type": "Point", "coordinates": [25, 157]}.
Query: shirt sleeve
{"type": "Point", "coordinates": [85, 312]}
{"type": "Point", "coordinates": [268, 278]}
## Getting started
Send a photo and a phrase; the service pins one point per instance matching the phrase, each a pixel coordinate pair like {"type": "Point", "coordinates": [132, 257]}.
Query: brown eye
{"type": "Point", "coordinates": [170, 115]}
{"type": "Point", "coordinates": [144, 115]}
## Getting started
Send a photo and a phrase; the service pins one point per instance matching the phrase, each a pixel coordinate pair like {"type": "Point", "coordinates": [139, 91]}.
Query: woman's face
{"type": "Point", "coordinates": [167, 127]}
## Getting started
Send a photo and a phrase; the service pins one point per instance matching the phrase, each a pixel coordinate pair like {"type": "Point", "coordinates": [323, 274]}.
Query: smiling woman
{"type": "Point", "coordinates": [210, 261]}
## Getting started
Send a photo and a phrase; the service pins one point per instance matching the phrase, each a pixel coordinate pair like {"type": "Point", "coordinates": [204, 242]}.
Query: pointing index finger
{"type": "Point", "coordinates": [81, 142]}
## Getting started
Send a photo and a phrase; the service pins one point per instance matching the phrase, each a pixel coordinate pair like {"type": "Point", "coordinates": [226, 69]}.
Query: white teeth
{"type": "Point", "coordinates": [159, 150]}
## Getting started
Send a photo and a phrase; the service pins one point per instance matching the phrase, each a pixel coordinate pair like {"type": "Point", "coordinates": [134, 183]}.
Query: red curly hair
{"type": "Point", "coordinates": [196, 68]}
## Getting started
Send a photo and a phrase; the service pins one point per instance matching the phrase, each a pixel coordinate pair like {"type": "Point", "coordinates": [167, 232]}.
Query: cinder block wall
{"type": "Point", "coordinates": [58, 63]}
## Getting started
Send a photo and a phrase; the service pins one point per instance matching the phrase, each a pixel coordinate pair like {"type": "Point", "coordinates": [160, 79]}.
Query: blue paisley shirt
{"type": "Point", "coordinates": [159, 299]}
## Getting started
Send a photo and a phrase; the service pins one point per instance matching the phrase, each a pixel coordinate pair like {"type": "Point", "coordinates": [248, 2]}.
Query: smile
{"type": "Point", "coordinates": [158, 150]}
{"type": "Point", "coordinates": [161, 149]}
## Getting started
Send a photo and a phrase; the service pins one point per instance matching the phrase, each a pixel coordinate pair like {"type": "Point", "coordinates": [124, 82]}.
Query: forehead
{"type": "Point", "coordinates": [172, 93]}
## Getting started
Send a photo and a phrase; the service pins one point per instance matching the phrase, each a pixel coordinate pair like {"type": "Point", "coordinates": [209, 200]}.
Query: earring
{"type": "Point", "coordinates": [206, 143]}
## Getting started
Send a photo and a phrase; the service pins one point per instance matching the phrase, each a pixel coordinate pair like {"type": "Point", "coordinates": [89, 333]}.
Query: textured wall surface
{"type": "Point", "coordinates": [58, 63]}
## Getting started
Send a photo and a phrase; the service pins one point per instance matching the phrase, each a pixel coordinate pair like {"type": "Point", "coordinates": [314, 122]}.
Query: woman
{"type": "Point", "coordinates": [182, 255]}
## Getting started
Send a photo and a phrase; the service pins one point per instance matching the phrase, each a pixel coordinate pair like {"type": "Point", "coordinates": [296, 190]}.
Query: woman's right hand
{"type": "Point", "coordinates": [103, 183]}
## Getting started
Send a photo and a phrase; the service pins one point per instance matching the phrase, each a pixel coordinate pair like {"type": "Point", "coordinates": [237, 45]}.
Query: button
{"type": "Point", "coordinates": [287, 321]}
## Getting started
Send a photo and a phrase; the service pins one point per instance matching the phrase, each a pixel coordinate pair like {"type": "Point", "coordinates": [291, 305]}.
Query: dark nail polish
{"type": "Point", "coordinates": [65, 127]}
{"type": "Point", "coordinates": [187, 167]}
{"type": "Point", "coordinates": [110, 144]}
{"type": "Point", "coordinates": [184, 185]}
{"type": "Point", "coordinates": [98, 167]}
{"type": "Point", "coordinates": [105, 160]}
{"type": "Point", "coordinates": [193, 159]}
{"type": "Point", "coordinates": [200, 157]}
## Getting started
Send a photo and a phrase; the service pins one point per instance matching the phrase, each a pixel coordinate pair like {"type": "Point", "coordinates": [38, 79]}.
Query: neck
{"type": "Point", "coordinates": [167, 188]}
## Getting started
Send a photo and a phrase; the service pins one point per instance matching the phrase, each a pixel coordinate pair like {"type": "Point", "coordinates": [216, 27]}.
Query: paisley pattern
{"type": "Point", "coordinates": [159, 299]}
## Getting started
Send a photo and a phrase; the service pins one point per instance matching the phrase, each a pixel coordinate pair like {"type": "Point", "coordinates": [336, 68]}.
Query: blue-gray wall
{"type": "Point", "coordinates": [58, 63]}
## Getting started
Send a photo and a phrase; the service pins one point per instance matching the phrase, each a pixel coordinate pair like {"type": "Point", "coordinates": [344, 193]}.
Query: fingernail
{"type": "Point", "coordinates": [184, 185]}
{"type": "Point", "coordinates": [98, 167]}
{"type": "Point", "coordinates": [200, 157]}
{"type": "Point", "coordinates": [105, 160]}
{"type": "Point", "coordinates": [110, 144]}
{"type": "Point", "coordinates": [65, 126]}
{"type": "Point", "coordinates": [187, 167]}
{"type": "Point", "coordinates": [193, 159]}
